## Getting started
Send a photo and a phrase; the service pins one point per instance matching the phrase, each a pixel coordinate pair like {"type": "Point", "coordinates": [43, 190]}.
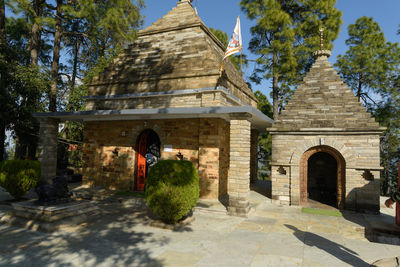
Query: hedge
{"type": "Point", "coordinates": [18, 176]}
{"type": "Point", "coordinates": [172, 189]}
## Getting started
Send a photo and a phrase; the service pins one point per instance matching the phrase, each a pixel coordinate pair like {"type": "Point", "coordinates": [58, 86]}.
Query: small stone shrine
{"type": "Point", "coordinates": [325, 145]}
{"type": "Point", "coordinates": [163, 98]}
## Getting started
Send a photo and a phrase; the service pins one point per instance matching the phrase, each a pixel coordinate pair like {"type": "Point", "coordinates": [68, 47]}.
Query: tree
{"type": "Point", "coordinates": [264, 140]}
{"type": "Point", "coordinates": [3, 90]}
{"type": "Point", "coordinates": [388, 115]}
{"type": "Point", "coordinates": [56, 57]}
{"type": "Point", "coordinates": [369, 63]}
{"type": "Point", "coordinates": [94, 32]}
{"type": "Point", "coordinates": [285, 35]}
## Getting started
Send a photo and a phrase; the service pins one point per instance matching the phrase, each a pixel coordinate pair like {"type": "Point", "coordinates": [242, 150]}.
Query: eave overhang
{"type": "Point", "coordinates": [258, 120]}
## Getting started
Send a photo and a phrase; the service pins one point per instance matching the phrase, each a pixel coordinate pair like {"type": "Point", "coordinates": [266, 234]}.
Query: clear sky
{"type": "Point", "coordinates": [221, 14]}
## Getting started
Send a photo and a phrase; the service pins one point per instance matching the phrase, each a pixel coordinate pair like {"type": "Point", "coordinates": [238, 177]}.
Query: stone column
{"type": "Point", "coordinates": [254, 156]}
{"type": "Point", "coordinates": [48, 148]}
{"type": "Point", "coordinates": [239, 168]}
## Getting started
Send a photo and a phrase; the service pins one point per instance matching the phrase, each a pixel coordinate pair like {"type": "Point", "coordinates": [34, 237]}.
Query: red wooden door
{"type": "Point", "coordinates": [397, 203]}
{"type": "Point", "coordinates": [141, 162]}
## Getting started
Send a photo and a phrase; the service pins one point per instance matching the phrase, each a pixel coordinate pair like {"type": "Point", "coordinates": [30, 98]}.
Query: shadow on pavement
{"type": "Point", "coordinates": [342, 253]}
{"type": "Point", "coordinates": [114, 238]}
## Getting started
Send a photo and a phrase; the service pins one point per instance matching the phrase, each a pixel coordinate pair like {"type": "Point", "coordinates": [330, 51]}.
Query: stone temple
{"type": "Point", "coordinates": [163, 98]}
{"type": "Point", "coordinates": [325, 145]}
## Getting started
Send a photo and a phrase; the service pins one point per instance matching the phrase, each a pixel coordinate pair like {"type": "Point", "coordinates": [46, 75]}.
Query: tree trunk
{"type": "Point", "coordinates": [359, 86]}
{"type": "Point", "coordinates": [75, 66]}
{"type": "Point", "coordinates": [3, 90]}
{"type": "Point", "coordinates": [2, 140]}
{"type": "Point", "coordinates": [74, 74]}
{"type": "Point", "coordinates": [3, 36]}
{"type": "Point", "coordinates": [34, 41]}
{"type": "Point", "coordinates": [275, 87]}
{"type": "Point", "coordinates": [56, 59]}
{"type": "Point", "coordinates": [20, 149]}
{"type": "Point", "coordinates": [32, 147]}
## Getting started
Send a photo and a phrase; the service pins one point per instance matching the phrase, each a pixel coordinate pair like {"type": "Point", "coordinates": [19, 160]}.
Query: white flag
{"type": "Point", "coordinates": [235, 44]}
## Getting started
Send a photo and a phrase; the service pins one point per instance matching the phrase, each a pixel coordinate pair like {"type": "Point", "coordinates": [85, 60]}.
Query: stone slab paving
{"type": "Point", "coordinates": [271, 236]}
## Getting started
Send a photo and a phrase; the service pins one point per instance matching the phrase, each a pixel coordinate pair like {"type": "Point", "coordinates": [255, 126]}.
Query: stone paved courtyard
{"type": "Point", "coordinates": [271, 236]}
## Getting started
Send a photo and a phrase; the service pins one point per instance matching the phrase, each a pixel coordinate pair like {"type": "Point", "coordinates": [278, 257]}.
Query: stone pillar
{"type": "Point", "coordinates": [239, 168]}
{"type": "Point", "coordinates": [48, 148]}
{"type": "Point", "coordinates": [254, 156]}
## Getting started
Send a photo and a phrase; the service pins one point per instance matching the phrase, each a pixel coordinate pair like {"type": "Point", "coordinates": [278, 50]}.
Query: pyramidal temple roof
{"type": "Point", "coordinates": [323, 102]}
{"type": "Point", "coordinates": [176, 52]}
{"type": "Point", "coordinates": [180, 16]}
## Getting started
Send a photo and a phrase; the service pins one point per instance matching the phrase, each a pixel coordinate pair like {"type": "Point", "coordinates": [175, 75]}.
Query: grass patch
{"type": "Point", "coordinates": [130, 194]}
{"type": "Point", "coordinates": [335, 213]}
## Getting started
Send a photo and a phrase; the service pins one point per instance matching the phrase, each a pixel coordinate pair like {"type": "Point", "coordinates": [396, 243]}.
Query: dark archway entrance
{"type": "Point", "coordinates": [322, 179]}
{"type": "Point", "coordinates": [323, 166]}
{"type": "Point", "coordinates": [147, 154]}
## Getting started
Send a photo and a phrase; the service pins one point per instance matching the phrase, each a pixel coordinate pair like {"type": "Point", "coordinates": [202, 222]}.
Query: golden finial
{"type": "Point", "coordinates": [321, 52]}
{"type": "Point", "coordinates": [321, 38]}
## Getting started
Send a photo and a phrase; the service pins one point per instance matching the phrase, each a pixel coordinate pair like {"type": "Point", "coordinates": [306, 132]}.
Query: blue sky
{"type": "Point", "coordinates": [221, 14]}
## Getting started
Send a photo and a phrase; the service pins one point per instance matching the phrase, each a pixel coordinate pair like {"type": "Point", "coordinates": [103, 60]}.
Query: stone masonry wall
{"type": "Point", "coordinates": [360, 152]}
{"type": "Point", "coordinates": [109, 151]}
{"type": "Point", "coordinates": [210, 99]}
{"type": "Point", "coordinates": [213, 158]}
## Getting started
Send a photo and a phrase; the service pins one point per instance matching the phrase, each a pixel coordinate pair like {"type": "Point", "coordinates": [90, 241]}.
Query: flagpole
{"type": "Point", "coordinates": [241, 65]}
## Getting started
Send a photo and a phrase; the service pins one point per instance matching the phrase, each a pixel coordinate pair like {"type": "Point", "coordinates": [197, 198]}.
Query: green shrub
{"type": "Point", "coordinates": [18, 176]}
{"type": "Point", "coordinates": [172, 189]}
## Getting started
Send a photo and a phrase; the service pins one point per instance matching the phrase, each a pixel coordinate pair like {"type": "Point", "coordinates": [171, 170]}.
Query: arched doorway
{"type": "Point", "coordinates": [147, 154]}
{"type": "Point", "coordinates": [322, 177]}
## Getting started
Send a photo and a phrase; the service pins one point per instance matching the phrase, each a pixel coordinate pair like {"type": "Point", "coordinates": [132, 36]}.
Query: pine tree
{"type": "Point", "coordinates": [368, 65]}
{"type": "Point", "coordinates": [387, 112]}
{"type": "Point", "coordinates": [285, 34]}
{"type": "Point", "coordinates": [3, 90]}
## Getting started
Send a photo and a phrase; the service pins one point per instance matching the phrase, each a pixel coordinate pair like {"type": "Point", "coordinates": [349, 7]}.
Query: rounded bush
{"type": "Point", "coordinates": [172, 189]}
{"type": "Point", "coordinates": [18, 176]}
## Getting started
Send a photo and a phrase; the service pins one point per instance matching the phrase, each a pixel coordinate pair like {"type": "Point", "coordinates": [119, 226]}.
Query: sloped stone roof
{"type": "Point", "coordinates": [324, 102]}
{"type": "Point", "coordinates": [176, 52]}
{"type": "Point", "coordinates": [180, 16]}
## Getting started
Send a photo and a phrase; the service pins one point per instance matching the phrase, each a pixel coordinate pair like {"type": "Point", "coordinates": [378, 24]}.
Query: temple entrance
{"type": "Point", "coordinates": [322, 179]}
{"type": "Point", "coordinates": [147, 154]}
